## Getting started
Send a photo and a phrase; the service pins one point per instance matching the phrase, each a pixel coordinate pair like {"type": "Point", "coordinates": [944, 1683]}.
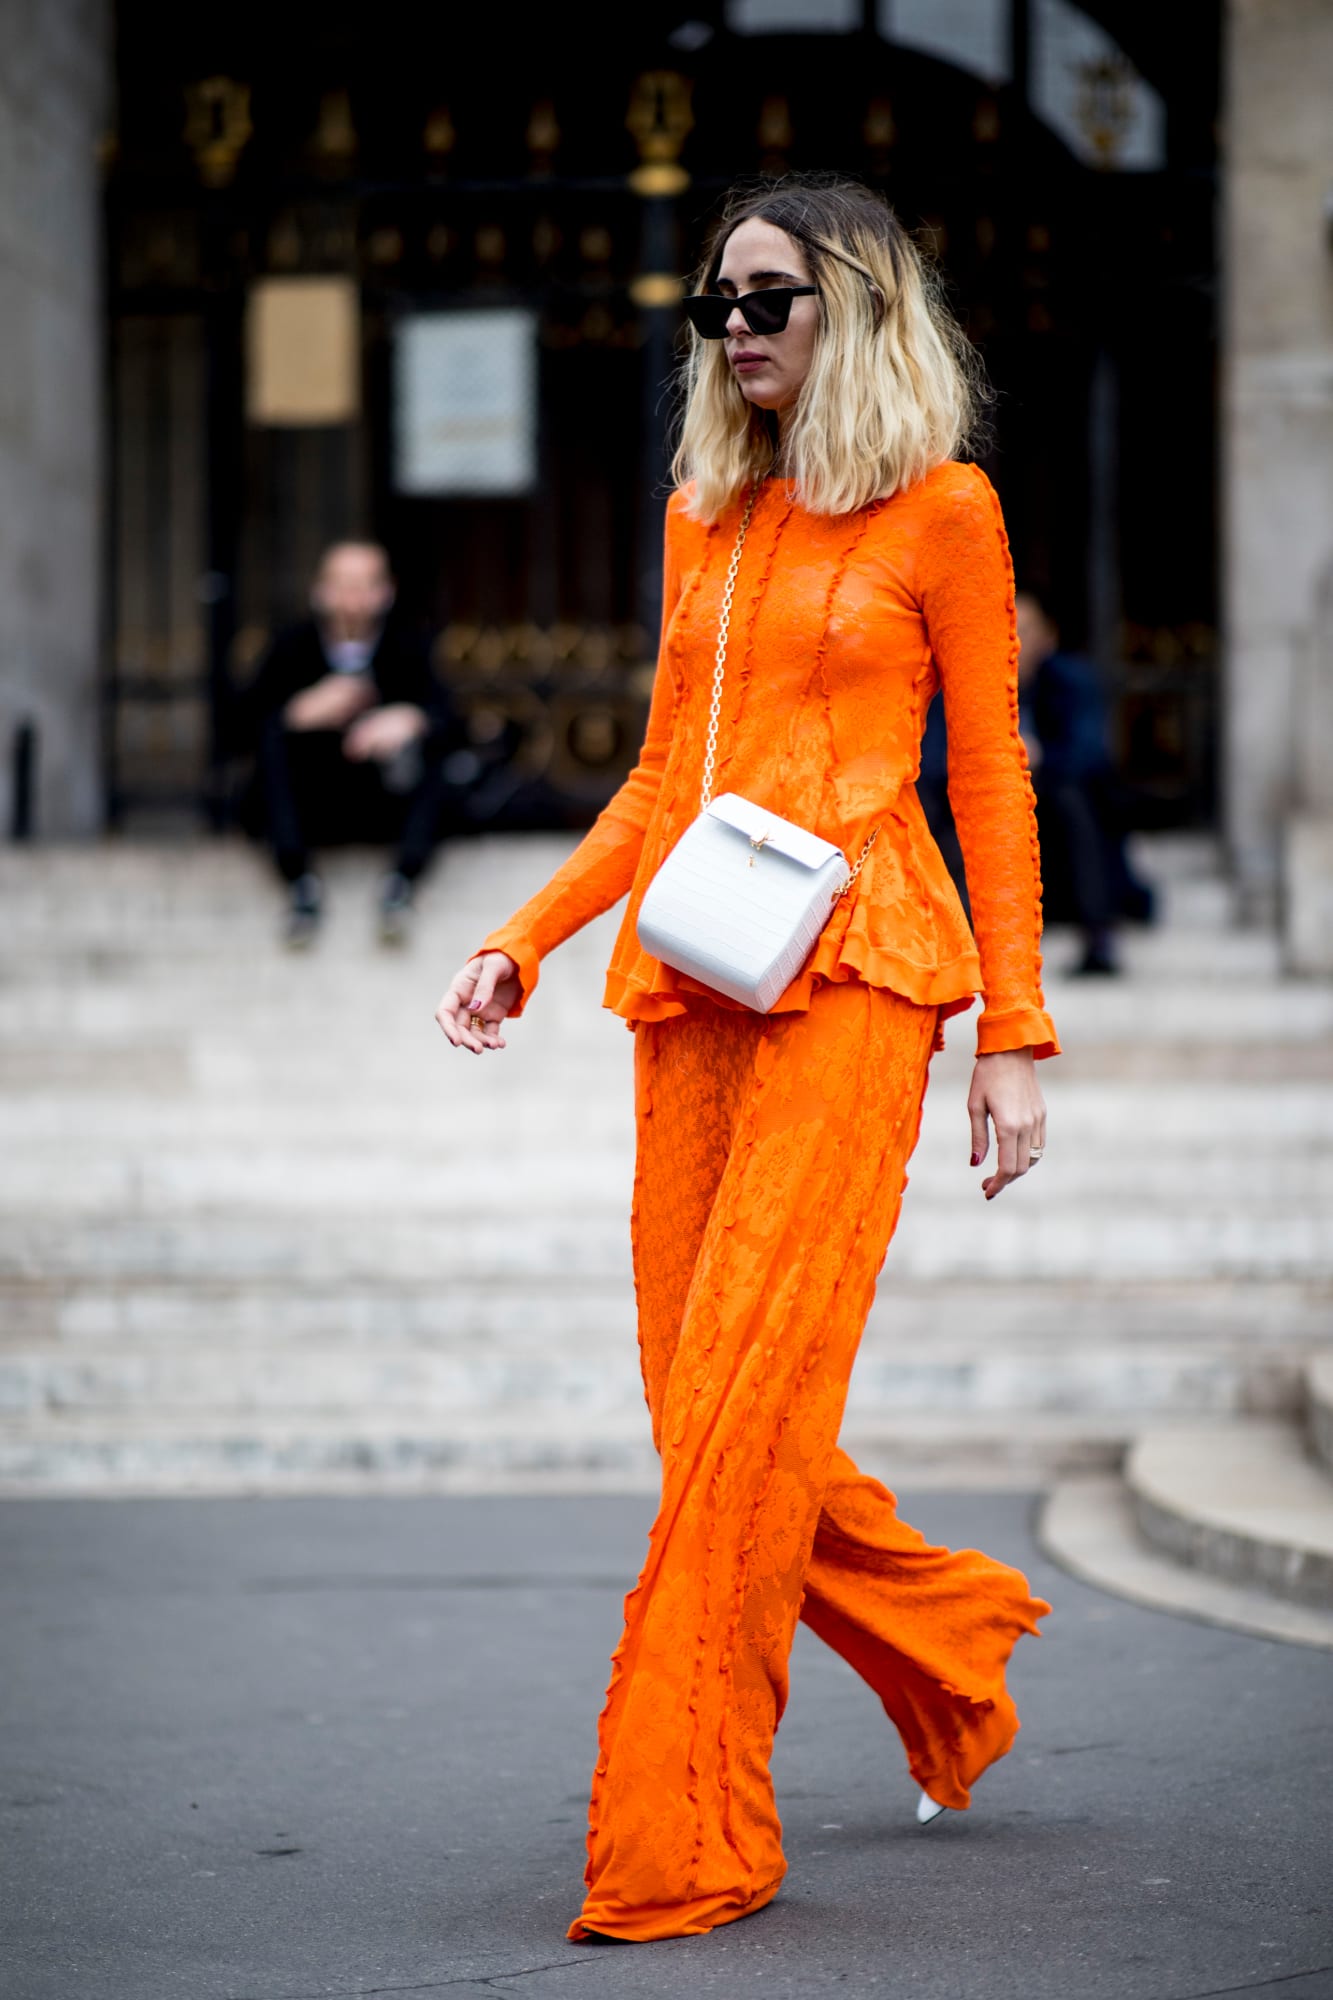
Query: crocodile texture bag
{"type": "Point", "coordinates": [741, 899]}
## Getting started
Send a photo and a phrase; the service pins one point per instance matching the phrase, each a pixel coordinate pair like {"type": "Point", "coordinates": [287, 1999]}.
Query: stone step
{"type": "Point", "coordinates": [1125, 1381]}
{"type": "Point", "coordinates": [173, 921]}
{"type": "Point", "coordinates": [201, 902]}
{"type": "Point", "coordinates": [460, 1375]}
{"type": "Point", "coordinates": [1319, 1405]}
{"type": "Point", "coordinates": [185, 953]}
{"type": "Point", "coordinates": [1008, 1241]}
{"type": "Point", "coordinates": [267, 1313]}
{"type": "Point", "coordinates": [1203, 1318]}
{"type": "Point", "coordinates": [1276, 1118]}
{"type": "Point", "coordinates": [1180, 854]}
{"type": "Point", "coordinates": [152, 868]}
{"type": "Point", "coordinates": [548, 1249]}
{"type": "Point", "coordinates": [348, 1021]}
{"type": "Point", "coordinates": [1244, 1503]}
{"type": "Point", "coordinates": [1147, 1349]}
{"type": "Point", "coordinates": [1198, 904]}
{"type": "Point", "coordinates": [470, 1176]}
{"type": "Point", "coordinates": [102, 883]}
{"type": "Point", "coordinates": [1086, 1524]}
{"type": "Point", "coordinates": [114, 874]}
{"type": "Point", "coordinates": [517, 1450]}
{"type": "Point", "coordinates": [420, 1082]}
{"type": "Point", "coordinates": [1180, 952]}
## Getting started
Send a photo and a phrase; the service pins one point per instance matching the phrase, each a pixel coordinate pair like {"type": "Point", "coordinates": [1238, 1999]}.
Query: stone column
{"type": "Point", "coordinates": [54, 71]}
{"type": "Point", "coordinates": [1277, 459]}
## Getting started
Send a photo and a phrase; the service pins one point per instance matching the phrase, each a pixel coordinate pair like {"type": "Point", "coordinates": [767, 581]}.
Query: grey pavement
{"type": "Point", "coordinates": [262, 1749]}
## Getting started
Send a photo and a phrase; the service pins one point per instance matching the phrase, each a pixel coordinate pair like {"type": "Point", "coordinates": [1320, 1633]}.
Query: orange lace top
{"type": "Point", "coordinates": [842, 629]}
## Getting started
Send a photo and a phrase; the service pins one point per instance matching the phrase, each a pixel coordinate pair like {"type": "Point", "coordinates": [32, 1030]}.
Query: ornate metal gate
{"type": "Point", "coordinates": [1066, 185]}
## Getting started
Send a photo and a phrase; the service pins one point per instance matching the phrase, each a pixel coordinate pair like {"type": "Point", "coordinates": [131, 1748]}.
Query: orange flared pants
{"type": "Point", "coordinates": [771, 1165]}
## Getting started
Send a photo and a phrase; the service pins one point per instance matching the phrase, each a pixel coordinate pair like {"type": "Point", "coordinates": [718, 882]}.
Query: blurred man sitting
{"type": "Point", "coordinates": [351, 727]}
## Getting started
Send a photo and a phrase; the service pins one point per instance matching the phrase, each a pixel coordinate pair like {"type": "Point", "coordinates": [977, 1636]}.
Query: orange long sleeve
{"type": "Point", "coordinates": [966, 582]}
{"type": "Point", "coordinates": [842, 629]}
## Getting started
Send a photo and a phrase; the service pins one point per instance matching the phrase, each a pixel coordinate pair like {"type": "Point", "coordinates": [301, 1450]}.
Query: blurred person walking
{"type": "Point", "coordinates": [820, 507]}
{"type": "Point", "coordinates": [1083, 809]}
{"type": "Point", "coordinates": [1062, 714]}
{"type": "Point", "coordinates": [351, 727]}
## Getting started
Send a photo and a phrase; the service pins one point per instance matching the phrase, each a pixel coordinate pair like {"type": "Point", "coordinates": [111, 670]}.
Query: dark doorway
{"type": "Point", "coordinates": [491, 168]}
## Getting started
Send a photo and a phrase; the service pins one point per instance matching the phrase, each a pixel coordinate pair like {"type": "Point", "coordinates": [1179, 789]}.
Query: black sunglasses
{"type": "Point", "coordinates": [763, 312]}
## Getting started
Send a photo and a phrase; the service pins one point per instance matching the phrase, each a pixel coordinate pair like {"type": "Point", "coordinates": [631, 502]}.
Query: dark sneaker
{"type": "Point", "coordinates": [305, 909]}
{"type": "Point", "coordinates": [395, 910]}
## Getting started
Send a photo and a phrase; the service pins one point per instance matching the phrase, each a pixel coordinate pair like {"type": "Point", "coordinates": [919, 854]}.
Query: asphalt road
{"type": "Point", "coordinates": [256, 1750]}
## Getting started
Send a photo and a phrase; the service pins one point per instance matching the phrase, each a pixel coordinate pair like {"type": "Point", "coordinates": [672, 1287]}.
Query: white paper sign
{"type": "Point", "coordinates": [465, 403]}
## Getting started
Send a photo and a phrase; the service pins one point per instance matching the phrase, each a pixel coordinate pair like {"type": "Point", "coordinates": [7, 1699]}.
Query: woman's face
{"type": "Point", "coordinates": [770, 367]}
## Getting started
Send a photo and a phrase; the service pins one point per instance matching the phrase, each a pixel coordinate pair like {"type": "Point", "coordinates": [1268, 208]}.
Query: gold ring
{"type": "Point", "coordinates": [476, 1023]}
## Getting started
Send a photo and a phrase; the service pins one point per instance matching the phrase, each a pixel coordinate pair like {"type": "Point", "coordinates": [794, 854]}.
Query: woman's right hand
{"type": "Point", "coordinates": [482, 991]}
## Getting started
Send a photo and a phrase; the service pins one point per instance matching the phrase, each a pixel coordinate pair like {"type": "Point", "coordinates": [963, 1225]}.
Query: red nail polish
{"type": "Point", "coordinates": [976, 1159]}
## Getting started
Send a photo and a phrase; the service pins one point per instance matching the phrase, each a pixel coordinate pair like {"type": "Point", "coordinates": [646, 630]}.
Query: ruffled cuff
{"type": "Point", "coordinates": [1017, 1028]}
{"type": "Point", "coordinates": [521, 949]}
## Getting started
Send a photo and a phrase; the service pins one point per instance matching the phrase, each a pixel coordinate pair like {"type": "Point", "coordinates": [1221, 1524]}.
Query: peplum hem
{"type": "Point", "coordinates": [652, 991]}
{"type": "Point", "coordinates": [951, 989]}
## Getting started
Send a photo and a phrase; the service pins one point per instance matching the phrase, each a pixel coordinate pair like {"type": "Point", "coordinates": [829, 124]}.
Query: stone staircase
{"type": "Point", "coordinates": [1233, 1524]}
{"type": "Point", "coordinates": [262, 1230]}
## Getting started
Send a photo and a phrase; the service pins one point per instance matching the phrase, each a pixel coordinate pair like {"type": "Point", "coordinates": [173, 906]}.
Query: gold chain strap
{"type": "Point", "coordinates": [723, 628]}
{"type": "Point", "coordinates": [860, 863]}
{"type": "Point", "coordinates": [723, 631]}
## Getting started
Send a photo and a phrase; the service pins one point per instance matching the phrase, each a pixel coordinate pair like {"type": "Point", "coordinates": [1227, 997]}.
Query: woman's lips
{"type": "Point", "coordinates": [746, 363]}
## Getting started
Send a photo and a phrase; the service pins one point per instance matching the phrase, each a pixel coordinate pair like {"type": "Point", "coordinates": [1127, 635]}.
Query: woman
{"type": "Point", "coordinates": [772, 1148]}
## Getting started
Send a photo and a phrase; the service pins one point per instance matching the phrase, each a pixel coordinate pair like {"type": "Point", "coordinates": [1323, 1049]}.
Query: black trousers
{"type": "Point", "coordinates": [315, 796]}
{"type": "Point", "coordinates": [1085, 875]}
{"type": "Point", "coordinates": [1078, 850]}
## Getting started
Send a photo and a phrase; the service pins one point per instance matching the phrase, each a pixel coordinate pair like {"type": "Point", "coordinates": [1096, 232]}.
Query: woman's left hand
{"type": "Point", "coordinates": [1005, 1090]}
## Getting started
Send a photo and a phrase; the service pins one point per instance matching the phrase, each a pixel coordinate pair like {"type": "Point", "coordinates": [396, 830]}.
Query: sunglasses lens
{"type": "Point", "coordinates": [763, 312]}
{"type": "Point", "coordinates": [767, 312]}
{"type": "Point", "coordinates": [708, 314]}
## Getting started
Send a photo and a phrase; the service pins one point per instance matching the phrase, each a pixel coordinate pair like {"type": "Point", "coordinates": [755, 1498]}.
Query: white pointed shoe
{"type": "Point", "coordinates": [928, 1809]}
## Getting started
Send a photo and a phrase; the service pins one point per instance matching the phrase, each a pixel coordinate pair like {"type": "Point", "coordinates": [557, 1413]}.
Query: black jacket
{"type": "Point", "coordinates": [400, 666]}
{"type": "Point", "coordinates": [1065, 705]}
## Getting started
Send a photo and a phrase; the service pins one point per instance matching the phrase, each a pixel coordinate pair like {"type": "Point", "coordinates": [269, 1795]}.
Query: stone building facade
{"type": "Point", "coordinates": [1277, 456]}
{"type": "Point", "coordinates": [54, 80]}
{"type": "Point", "coordinates": [1275, 451]}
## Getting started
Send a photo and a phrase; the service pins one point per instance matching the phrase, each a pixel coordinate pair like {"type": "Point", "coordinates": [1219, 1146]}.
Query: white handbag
{"type": "Point", "coordinates": [744, 894]}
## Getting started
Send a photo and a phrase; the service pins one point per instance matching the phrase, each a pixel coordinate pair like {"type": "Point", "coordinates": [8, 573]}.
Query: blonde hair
{"type": "Point", "coordinates": [895, 386]}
